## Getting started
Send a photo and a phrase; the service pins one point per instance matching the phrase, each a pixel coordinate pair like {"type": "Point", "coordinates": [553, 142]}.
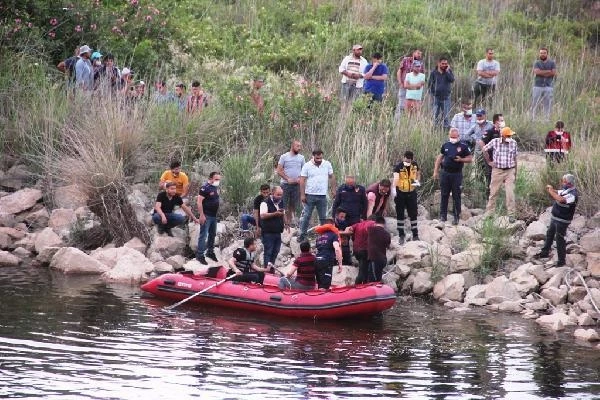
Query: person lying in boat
{"type": "Point", "coordinates": [304, 267]}
{"type": "Point", "coordinates": [243, 265]}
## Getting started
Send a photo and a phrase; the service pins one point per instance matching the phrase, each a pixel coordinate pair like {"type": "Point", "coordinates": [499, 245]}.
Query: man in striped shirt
{"type": "Point", "coordinates": [304, 267]}
{"type": "Point", "coordinates": [504, 170]}
{"type": "Point", "coordinates": [198, 100]}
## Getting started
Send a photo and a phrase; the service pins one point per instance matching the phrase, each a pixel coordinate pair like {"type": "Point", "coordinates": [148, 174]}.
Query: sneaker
{"type": "Point", "coordinates": [168, 232]}
{"type": "Point", "coordinates": [560, 264]}
{"type": "Point", "coordinates": [160, 229]}
{"type": "Point", "coordinates": [271, 268]}
{"type": "Point", "coordinates": [400, 239]}
{"type": "Point", "coordinates": [541, 254]}
{"type": "Point", "coordinates": [202, 260]}
{"type": "Point", "coordinates": [212, 256]}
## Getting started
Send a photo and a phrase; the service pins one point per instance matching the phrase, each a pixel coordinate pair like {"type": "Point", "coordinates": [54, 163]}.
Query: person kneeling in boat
{"type": "Point", "coordinates": [243, 265]}
{"type": "Point", "coordinates": [329, 253]}
{"type": "Point", "coordinates": [304, 267]}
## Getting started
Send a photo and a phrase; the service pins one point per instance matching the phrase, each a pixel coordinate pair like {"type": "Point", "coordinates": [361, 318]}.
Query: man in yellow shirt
{"type": "Point", "coordinates": [181, 180]}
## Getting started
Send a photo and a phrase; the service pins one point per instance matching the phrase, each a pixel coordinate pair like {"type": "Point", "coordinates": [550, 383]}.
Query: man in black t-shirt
{"type": "Point", "coordinates": [246, 219]}
{"type": "Point", "coordinates": [208, 206]}
{"type": "Point", "coordinates": [163, 216]}
{"type": "Point", "coordinates": [487, 161]}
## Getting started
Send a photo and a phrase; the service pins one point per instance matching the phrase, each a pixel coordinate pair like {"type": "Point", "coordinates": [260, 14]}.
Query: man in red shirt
{"type": "Point", "coordinates": [359, 240]}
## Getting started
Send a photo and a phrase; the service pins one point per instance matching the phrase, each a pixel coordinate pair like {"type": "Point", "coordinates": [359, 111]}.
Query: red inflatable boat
{"type": "Point", "coordinates": [339, 302]}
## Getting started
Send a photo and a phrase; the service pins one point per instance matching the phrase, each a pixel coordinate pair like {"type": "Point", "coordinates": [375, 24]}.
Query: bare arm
{"type": "Point", "coordinates": [188, 212]}
{"type": "Point", "coordinates": [436, 167]}
{"type": "Point", "coordinates": [554, 194]}
{"type": "Point", "coordinates": [292, 271]}
{"type": "Point", "coordinates": [233, 267]}
{"type": "Point", "coordinates": [281, 172]}
{"type": "Point", "coordinates": [338, 254]}
{"type": "Point", "coordinates": [61, 66]}
{"type": "Point", "coordinates": [332, 184]}
{"type": "Point", "coordinates": [303, 189]}
{"type": "Point", "coordinates": [545, 73]}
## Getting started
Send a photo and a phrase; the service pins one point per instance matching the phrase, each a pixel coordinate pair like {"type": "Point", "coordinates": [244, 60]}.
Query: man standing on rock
{"type": "Point", "coordinates": [163, 216]}
{"type": "Point", "coordinates": [208, 205]}
{"type": "Point", "coordinates": [315, 180]}
{"type": "Point", "coordinates": [407, 176]}
{"type": "Point", "coordinates": [378, 194]}
{"type": "Point", "coordinates": [353, 199]}
{"type": "Point", "coordinates": [378, 240]}
{"type": "Point", "coordinates": [504, 171]}
{"type": "Point", "coordinates": [488, 156]}
{"type": "Point", "coordinates": [563, 210]}
{"type": "Point", "coordinates": [272, 213]}
{"type": "Point", "coordinates": [359, 242]}
{"type": "Point", "coordinates": [453, 155]}
{"type": "Point", "coordinates": [288, 168]}
{"type": "Point", "coordinates": [329, 253]}
{"type": "Point", "coordinates": [352, 68]}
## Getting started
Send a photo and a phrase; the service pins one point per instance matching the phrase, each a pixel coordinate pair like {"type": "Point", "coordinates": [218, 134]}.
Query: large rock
{"type": "Point", "coordinates": [501, 289]}
{"type": "Point", "coordinates": [346, 277]}
{"type": "Point", "coordinates": [450, 288]}
{"type": "Point", "coordinates": [61, 220]}
{"type": "Point", "coordinates": [412, 253]}
{"type": "Point", "coordinates": [539, 273]}
{"type": "Point", "coordinates": [37, 219]}
{"type": "Point", "coordinates": [422, 283]}
{"type": "Point", "coordinates": [5, 241]}
{"type": "Point", "coordinates": [141, 205]}
{"type": "Point", "coordinates": [557, 277]}
{"type": "Point", "coordinates": [71, 260]}
{"type": "Point", "coordinates": [47, 238]}
{"type": "Point", "coordinates": [110, 256]}
{"type": "Point", "coordinates": [167, 246]}
{"type": "Point", "coordinates": [593, 264]}
{"type": "Point", "coordinates": [590, 242]}
{"type": "Point", "coordinates": [585, 320]}
{"type": "Point", "coordinates": [13, 233]}
{"type": "Point", "coordinates": [536, 231]}
{"type": "Point", "coordinates": [130, 267]}
{"type": "Point", "coordinates": [176, 261]}
{"type": "Point", "coordinates": [459, 236]}
{"type": "Point", "coordinates": [20, 201]}
{"type": "Point", "coordinates": [589, 335]}
{"type": "Point", "coordinates": [16, 177]}
{"type": "Point", "coordinates": [45, 256]}
{"type": "Point", "coordinates": [430, 234]}
{"type": "Point", "coordinates": [476, 295]}
{"type": "Point", "coordinates": [468, 259]}
{"type": "Point", "coordinates": [69, 197]}
{"type": "Point", "coordinates": [8, 260]}
{"type": "Point", "coordinates": [555, 296]}
{"type": "Point", "coordinates": [556, 321]}
{"type": "Point", "coordinates": [136, 244]}
{"type": "Point", "coordinates": [524, 281]}
{"type": "Point", "coordinates": [510, 306]}
{"type": "Point", "coordinates": [576, 294]}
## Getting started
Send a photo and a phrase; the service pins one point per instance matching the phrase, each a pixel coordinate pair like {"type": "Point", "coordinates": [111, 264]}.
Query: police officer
{"type": "Point", "coordinates": [453, 155]}
{"type": "Point", "coordinates": [407, 176]}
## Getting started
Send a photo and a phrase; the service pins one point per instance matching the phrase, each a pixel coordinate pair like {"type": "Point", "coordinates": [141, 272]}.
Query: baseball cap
{"type": "Point", "coordinates": [96, 55]}
{"type": "Point", "coordinates": [356, 47]}
{"type": "Point", "coordinates": [479, 112]}
{"type": "Point", "coordinates": [126, 71]}
{"type": "Point", "coordinates": [506, 132]}
{"type": "Point", "coordinates": [84, 49]}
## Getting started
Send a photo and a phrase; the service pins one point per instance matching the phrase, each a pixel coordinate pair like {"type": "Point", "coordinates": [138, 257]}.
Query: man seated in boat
{"type": "Point", "coordinates": [243, 265]}
{"type": "Point", "coordinates": [304, 267]}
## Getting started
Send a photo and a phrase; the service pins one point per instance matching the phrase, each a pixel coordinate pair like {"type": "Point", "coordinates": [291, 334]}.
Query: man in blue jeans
{"type": "Point", "coordinates": [208, 205]}
{"type": "Point", "coordinates": [316, 178]}
{"type": "Point", "coordinates": [163, 216]}
{"type": "Point", "coordinates": [272, 214]}
{"type": "Point", "coordinates": [440, 87]}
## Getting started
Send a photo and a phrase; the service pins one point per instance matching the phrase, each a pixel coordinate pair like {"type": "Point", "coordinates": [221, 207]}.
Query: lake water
{"type": "Point", "coordinates": [74, 338]}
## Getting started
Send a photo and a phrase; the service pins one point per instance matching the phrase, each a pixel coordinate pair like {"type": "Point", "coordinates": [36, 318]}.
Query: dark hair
{"type": "Point", "coordinates": [162, 82]}
{"type": "Point", "coordinates": [385, 182]}
{"type": "Point", "coordinates": [175, 164]}
{"type": "Point", "coordinates": [442, 58]}
{"type": "Point", "coordinates": [168, 184]}
{"type": "Point", "coordinates": [212, 174]}
{"type": "Point", "coordinates": [379, 219]}
{"type": "Point", "coordinates": [181, 85]}
{"type": "Point", "coordinates": [317, 152]}
{"type": "Point", "coordinates": [305, 247]}
{"type": "Point", "coordinates": [544, 48]}
{"type": "Point", "coordinates": [249, 241]}
{"type": "Point", "coordinates": [109, 56]}
{"type": "Point", "coordinates": [329, 221]}
{"type": "Point", "coordinates": [265, 186]}
{"type": "Point", "coordinates": [377, 56]}
{"type": "Point", "coordinates": [496, 117]}
{"type": "Point", "coordinates": [488, 49]}
{"type": "Point", "coordinates": [340, 210]}
{"type": "Point", "coordinates": [409, 154]}
{"type": "Point", "coordinates": [372, 217]}
{"type": "Point", "coordinates": [560, 124]}
{"type": "Point", "coordinates": [195, 84]}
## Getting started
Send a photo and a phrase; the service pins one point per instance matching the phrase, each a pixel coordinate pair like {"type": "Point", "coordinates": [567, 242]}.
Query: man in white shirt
{"type": "Point", "coordinates": [316, 179]}
{"type": "Point", "coordinates": [352, 69]}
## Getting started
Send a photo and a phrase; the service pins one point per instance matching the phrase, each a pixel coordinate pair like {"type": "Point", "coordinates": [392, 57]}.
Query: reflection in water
{"type": "Point", "coordinates": [72, 337]}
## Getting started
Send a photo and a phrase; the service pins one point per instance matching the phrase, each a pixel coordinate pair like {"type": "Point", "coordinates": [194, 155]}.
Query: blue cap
{"type": "Point", "coordinates": [480, 112]}
{"type": "Point", "coordinates": [96, 54]}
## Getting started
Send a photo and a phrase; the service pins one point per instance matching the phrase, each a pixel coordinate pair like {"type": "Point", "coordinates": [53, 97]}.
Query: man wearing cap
{"type": "Point", "coordinates": [126, 82]}
{"type": "Point", "coordinates": [563, 210]}
{"type": "Point", "coordinates": [405, 68]}
{"type": "Point", "coordinates": [475, 133]}
{"type": "Point", "coordinates": [351, 69]}
{"type": "Point", "coordinates": [453, 155]}
{"type": "Point", "coordinates": [463, 121]}
{"type": "Point", "coordinates": [376, 74]}
{"type": "Point", "coordinates": [84, 72]}
{"type": "Point", "coordinates": [414, 83]}
{"type": "Point", "coordinates": [544, 71]}
{"type": "Point", "coordinates": [96, 61]}
{"type": "Point", "coordinates": [487, 75]}
{"type": "Point", "coordinates": [504, 170]}
{"type": "Point", "coordinates": [440, 88]}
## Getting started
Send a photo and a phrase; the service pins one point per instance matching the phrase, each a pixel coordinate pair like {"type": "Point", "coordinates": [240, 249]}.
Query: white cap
{"type": "Point", "coordinates": [125, 71]}
{"type": "Point", "coordinates": [84, 49]}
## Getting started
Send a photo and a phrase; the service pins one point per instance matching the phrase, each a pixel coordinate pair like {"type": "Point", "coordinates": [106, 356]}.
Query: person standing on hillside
{"type": "Point", "coordinates": [453, 156]}
{"type": "Point", "coordinates": [563, 210]}
{"type": "Point", "coordinates": [487, 77]}
{"type": "Point", "coordinates": [272, 211]}
{"type": "Point", "coordinates": [108, 76]}
{"type": "Point", "coordinates": [208, 206]}
{"type": "Point", "coordinates": [180, 97]}
{"type": "Point", "coordinates": [440, 88]}
{"type": "Point", "coordinates": [351, 69]}
{"type": "Point", "coordinates": [352, 198]}
{"type": "Point", "coordinates": [543, 91]}
{"type": "Point", "coordinates": [378, 241]}
{"type": "Point", "coordinates": [161, 95]}
{"type": "Point", "coordinates": [558, 143]}
{"type": "Point", "coordinates": [289, 168]}
{"type": "Point", "coordinates": [405, 68]}
{"type": "Point", "coordinates": [378, 194]}
{"type": "Point", "coordinates": [488, 156]}
{"type": "Point", "coordinates": [67, 67]}
{"type": "Point", "coordinates": [414, 83]}
{"type": "Point", "coordinates": [504, 171]}
{"type": "Point", "coordinates": [375, 75]}
{"type": "Point", "coordinates": [407, 176]}
{"type": "Point", "coordinates": [316, 179]}
{"type": "Point", "coordinates": [198, 100]}
{"type": "Point", "coordinates": [84, 71]}
{"type": "Point", "coordinates": [175, 175]}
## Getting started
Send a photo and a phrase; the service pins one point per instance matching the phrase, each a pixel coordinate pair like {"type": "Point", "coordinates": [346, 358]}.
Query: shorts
{"type": "Point", "coordinates": [291, 195]}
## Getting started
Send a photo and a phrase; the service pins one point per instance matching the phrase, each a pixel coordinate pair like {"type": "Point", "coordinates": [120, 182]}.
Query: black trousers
{"type": "Point", "coordinates": [254, 276]}
{"type": "Point", "coordinates": [376, 270]}
{"type": "Point", "coordinates": [481, 92]}
{"type": "Point", "coordinates": [324, 272]}
{"type": "Point", "coordinates": [363, 267]}
{"type": "Point", "coordinates": [450, 182]}
{"type": "Point", "coordinates": [406, 201]}
{"type": "Point", "coordinates": [557, 230]}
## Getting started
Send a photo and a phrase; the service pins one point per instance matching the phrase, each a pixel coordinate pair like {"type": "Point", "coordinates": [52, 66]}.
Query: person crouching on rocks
{"type": "Point", "coordinates": [563, 210]}
{"type": "Point", "coordinates": [243, 265]}
{"type": "Point", "coordinates": [304, 267]}
{"type": "Point", "coordinates": [163, 215]}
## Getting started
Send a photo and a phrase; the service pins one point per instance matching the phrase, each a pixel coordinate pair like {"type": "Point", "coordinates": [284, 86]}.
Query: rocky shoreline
{"type": "Point", "coordinates": [442, 264]}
